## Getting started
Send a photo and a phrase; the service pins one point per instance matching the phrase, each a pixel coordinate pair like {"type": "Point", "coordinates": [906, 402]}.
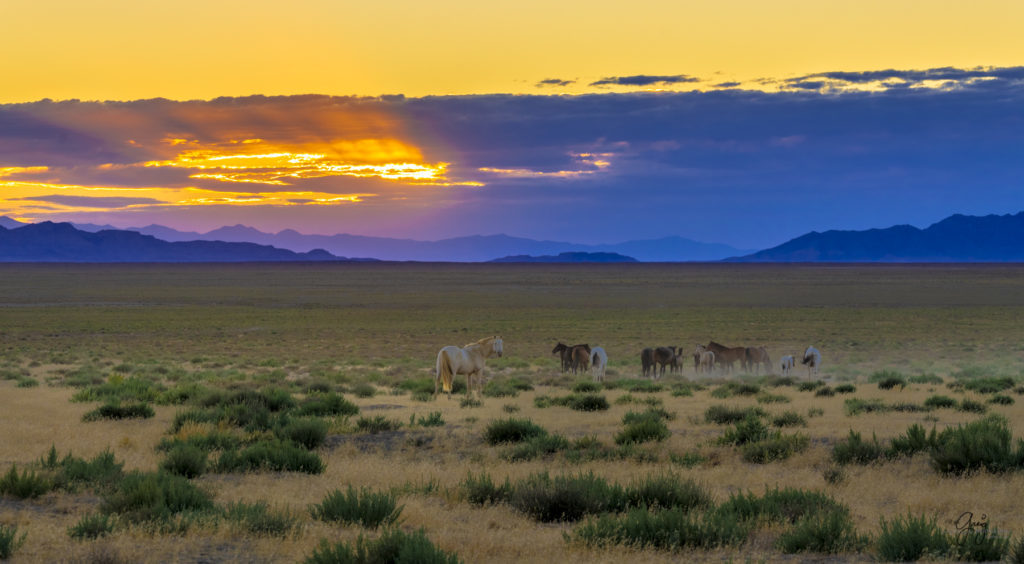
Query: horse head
{"type": "Point", "coordinates": [559, 348]}
{"type": "Point", "coordinates": [496, 345]}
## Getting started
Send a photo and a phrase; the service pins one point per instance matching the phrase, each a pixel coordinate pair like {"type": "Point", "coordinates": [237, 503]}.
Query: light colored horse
{"type": "Point", "coordinates": [812, 358]}
{"type": "Point", "coordinates": [787, 364]}
{"type": "Point", "coordinates": [707, 361]}
{"type": "Point", "coordinates": [468, 360]}
{"type": "Point", "coordinates": [598, 362]}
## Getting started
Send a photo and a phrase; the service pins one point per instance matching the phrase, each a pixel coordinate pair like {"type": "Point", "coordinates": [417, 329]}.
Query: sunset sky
{"type": "Point", "coordinates": [738, 122]}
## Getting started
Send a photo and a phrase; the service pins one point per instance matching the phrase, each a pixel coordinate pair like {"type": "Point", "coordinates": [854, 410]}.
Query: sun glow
{"type": "Point", "coordinates": [261, 163]}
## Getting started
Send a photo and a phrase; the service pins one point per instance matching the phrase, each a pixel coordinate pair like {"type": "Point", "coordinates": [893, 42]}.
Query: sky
{"type": "Point", "coordinates": [737, 122]}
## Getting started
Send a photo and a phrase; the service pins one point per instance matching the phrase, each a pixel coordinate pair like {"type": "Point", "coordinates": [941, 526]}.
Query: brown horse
{"type": "Point", "coordinates": [726, 356]}
{"type": "Point", "coordinates": [580, 358]}
{"type": "Point", "coordinates": [647, 360]}
{"type": "Point", "coordinates": [755, 357]}
{"type": "Point", "coordinates": [664, 356]}
{"type": "Point", "coordinates": [566, 354]}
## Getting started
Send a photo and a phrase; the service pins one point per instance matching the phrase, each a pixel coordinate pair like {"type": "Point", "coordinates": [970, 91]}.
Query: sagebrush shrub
{"type": "Point", "coordinates": [512, 430]}
{"type": "Point", "coordinates": [185, 460]}
{"type": "Point", "coordinates": [911, 538]}
{"type": "Point", "coordinates": [857, 450]}
{"type": "Point", "coordinates": [364, 507]}
{"type": "Point", "coordinates": [394, 545]}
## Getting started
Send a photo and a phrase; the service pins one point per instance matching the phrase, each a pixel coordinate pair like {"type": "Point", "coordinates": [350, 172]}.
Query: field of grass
{"type": "Point", "coordinates": [272, 388]}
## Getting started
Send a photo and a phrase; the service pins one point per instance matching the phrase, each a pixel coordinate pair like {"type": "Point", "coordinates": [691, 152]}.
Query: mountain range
{"type": "Point", "coordinates": [958, 238]}
{"type": "Point", "coordinates": [475, 248]}
{"type": "Point", "coordinates": [61, 242]}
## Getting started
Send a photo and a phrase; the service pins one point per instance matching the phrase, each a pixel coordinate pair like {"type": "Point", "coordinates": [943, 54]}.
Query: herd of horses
{"type": "Point", "coordinates": [470, 360]}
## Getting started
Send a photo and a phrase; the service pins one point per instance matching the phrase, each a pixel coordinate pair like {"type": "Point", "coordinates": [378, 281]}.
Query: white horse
{"type": "Point", "coordinates": [707, 361]}
{"type": "Point", "coordinates": [468, 360]}
{"type": "Point", "coordinates": [787, 364]}
{"type": "Point", "coordinates": [598, 362]}
{"type": "Point", "coordinates": [812, 358]}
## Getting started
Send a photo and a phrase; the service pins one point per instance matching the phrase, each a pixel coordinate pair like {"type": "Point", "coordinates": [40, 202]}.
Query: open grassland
{"type": "Point", "coordinates": [257, 368]}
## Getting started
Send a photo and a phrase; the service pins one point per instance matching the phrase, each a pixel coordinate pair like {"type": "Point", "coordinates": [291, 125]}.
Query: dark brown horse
{"type": "Point", "coordinates": [726, 356]}
{"type": "Point", "coordinates": [573, 357]}
{"type": "Point", "coordinates": [755, 357]}
{"type": "Point", "coordinates": [647, 360]}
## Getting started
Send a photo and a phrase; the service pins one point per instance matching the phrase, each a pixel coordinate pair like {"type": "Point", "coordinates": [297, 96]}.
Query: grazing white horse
{"type": "Point", "coordinates": [598, 362]}
{"type": "Point", "coordinates": [812, 358]}
{"type": "Point", "coordinates": [787, 364]}
{"type": "Point", "coordinates": [707, 361]}
{"type": "Point", "coordinates": [468, 360]}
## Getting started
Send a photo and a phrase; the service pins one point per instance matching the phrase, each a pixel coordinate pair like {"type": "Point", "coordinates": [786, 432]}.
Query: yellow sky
{"type": "Point", "coordinates": [187, 49]}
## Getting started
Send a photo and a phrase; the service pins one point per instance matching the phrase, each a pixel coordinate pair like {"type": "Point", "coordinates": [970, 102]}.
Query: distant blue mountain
{"type": "Point", "coordinates": [958, 238]}
{"type": "Point", "coordinates": [61, 242]}
{"type": "Point", "coordinates": [568, 257]}
{"type": "Point", "coordinates": [474, 248]}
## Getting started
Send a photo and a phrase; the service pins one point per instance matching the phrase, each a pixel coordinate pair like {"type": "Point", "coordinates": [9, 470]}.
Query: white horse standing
{"type": "Point", "coordinates": [812, 359]}
{"type": "Point", "coordinates": [787, 364]}
{"type": "Point", "coordinates": [598, 362]}
{"type": "Point", "coordinates": [468, 360]}
{"type": "Point", "coordinates": [707, 361]}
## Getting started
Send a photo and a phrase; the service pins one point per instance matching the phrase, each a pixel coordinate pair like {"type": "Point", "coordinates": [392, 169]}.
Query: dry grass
{"type": "Point", "coordinates": [235, 325]}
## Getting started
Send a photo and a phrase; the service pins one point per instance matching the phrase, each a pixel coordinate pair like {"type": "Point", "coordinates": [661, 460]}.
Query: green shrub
{"type": "Point", "coordinates": [10, 542]}
{"type": "Point", "coordinates": [980, 545]}
{"type": "Point", "coordinates": [481, 490]}
{"type": "Point", "coordinates": [377, 424]}
{"type": "Point", "coordinates": [789, 419]}
{"type": "Point", "coordinates": [273, 455]}
{"type": "Point", "coordinates": [672, 529]}
{"type": "Point", "coordinates": [393, 545]}
{"type": "Point", "coordinates": [310, 433]}
{"type": "Point", "coordinates": [776, 447]}
{"type": "Point", "coordinates": [586, 386]}
{"type": "Point", "coordinates": [845, 389]}
{"type": "Point", "coordinates": [259, 519]}
{"type": "Point", "coordinates": [787, 505]}
{"type": "Point", "coordinates": [725, 415]}
{"type": "Point", "coordinates": [433, 419]}
{"type": "Point", "coordinates": [988, 385]}
{"type": "Point", "coordinates": [536, 447]}
{"type": "Point", "coordinates": [500, 389]}
{"type": "Point", "coordinates": [92, 526]}
{"type": "Point", "coordinates": [643, 430]}
{"type": "Point", "coordinates": [810, 386]}
{"type": "Point", "coordinates": [750, 430]}
{"type": "Point", "coordinates": [913, 441]}
{"type": "Point", "coordinates": [511, 430]}
{"type": "Point", "coordinates": [732, 388]}
{"type": "Point", "coordinates": [364, 390]}
{"type": "Point", "coordinates": [588, 402]}
{"type": "Point", "coordinates": [27, 383]}
{"type": "Point", "coordinates": [667, 491]}
{"type": "Point", "coordinates": [972, 406]}
{"type": "Point", "coordinates": [365, 507]}
{"type": "Point", "coordinates": [118, 411]}
{"type": "Point", "coordinates": [856, 406]}
{"type": "Point", "coordinates": [890, 383]}
{"type": "Point", "coordinates": [765, 397]}
{"type": "Point", "coordinates": [939, 402]}
{"type": "Point", "coordinates": [855, 449]}
{"type": "Point", "coordinates": [565, 498]}
{"type": "Point", "coordinates": [985, 443]}
{"type": "Point", "coordinates": [824, 392]}
{"type": "Point", "coordinates": [211, 441]}
{"type": "Point", "coordinates": [469, 401]}
{"type": "Point", "coordinates": [1001, 399]}
{"type": "Point", "coordinates": [910, 538]}
{"type": "Point", "coordinates": [27, 485]}
{"type": "Point", "coordinates": [831, 532]}
{"type": "Point", "coordinates": [149, 496]}
{"type": "Point", "coordinates": [885, 375]}
{"type": "Point", "coordinates": [924, 379]}
{"type": "Point", "coordinates": [325, 405]}
{"type": "Point", "coordinates": [102, 472]}
{"type": "Point", "coordinates": [907, 407]}
{"type": "Point", "coordinates": [640, 385]}
{"type": "Point", "coordinates": [185, 460]}
{"type": "Point", "coordinates": [688, 459]}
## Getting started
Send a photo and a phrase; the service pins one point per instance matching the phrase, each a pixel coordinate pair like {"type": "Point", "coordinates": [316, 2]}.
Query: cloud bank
{"type": "Point", "coordinates": [745, 167]}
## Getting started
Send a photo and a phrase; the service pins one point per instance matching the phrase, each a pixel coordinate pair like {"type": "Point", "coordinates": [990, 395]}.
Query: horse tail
{"type": "Point", "coordinates": [444, 371]}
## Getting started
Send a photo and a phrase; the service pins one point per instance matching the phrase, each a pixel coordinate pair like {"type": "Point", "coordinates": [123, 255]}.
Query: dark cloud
{"type": "Point", "coordinates": [91, 201]}
{"type": "Point", "coordinates": [727, 84]}
{"type": "Point", "coordinates": [554, 82]}
{"type": "Point", "coordinates": [760, 167]}
{"type": "Point", "coordinates": [936, 78]}
{"type": "Point", "coordinates": [644, 80]}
